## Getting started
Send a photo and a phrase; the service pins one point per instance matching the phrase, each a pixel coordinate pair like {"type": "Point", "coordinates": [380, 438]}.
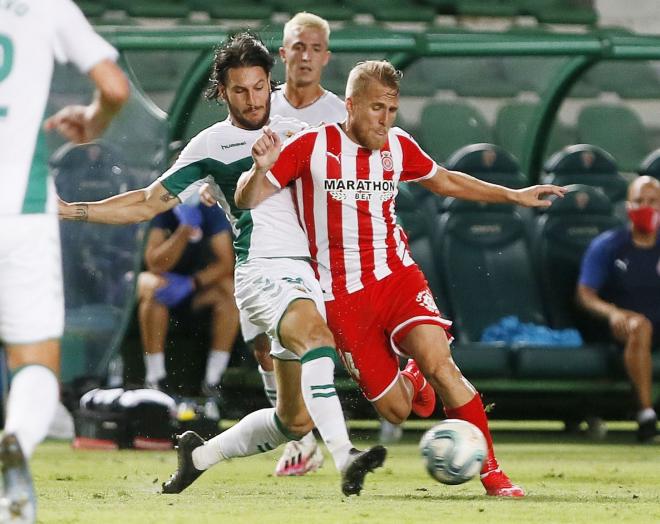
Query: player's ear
{"type": "Point", "coordinates": [222, 92]}
{"type": "Point", "coordinates": [283, 55]}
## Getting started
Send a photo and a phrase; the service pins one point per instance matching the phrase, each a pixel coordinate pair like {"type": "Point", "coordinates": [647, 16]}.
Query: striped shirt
{"type": "Point", "coordinates": [345, 201]}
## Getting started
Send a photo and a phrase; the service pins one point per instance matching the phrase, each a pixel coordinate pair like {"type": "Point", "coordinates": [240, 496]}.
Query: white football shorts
{"type": "Point", "coordinates": [31, 291]}
{"type": "Point", "coordinates": [264, 288]}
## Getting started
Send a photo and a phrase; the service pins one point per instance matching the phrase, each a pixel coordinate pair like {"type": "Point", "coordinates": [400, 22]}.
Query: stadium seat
{"type": "Point", "coordinates": [499, 8]}
{"type": "Point", "coordinates": [562, 233]}
{"type": "Point", "coordinates": [586, 164]}
{"type": "Point", "coordinates": [651, 165]}
{"type": "Point", "coordinates": [578, 12]}
{"type": "Point", "coordinates": [244, 10]}
{"type": "Point", "coordinates": [617, 129]}
{"type": "Point", "coordinates": [512, 124]}
{"type": "Point", "coordinates": [627, 79]}
{"type": "Point", "coordinates": [466, 76]}
{"type": "Point", "coordinates": [403, 11]}
{"type": "Point", "coordinates": [157, 9]}
{"type": "Point", "coordinates": [483, 256]}
{"type": "Point", "coordinates": [92, 9]}
{"type": "Point", "coordinates": [488, 162]}
{"type": "Point", "coordinates": [447, 126]}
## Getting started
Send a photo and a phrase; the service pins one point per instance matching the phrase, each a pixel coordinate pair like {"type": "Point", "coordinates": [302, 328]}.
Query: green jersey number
{"type": "Point", "coordinates": [6, 62]}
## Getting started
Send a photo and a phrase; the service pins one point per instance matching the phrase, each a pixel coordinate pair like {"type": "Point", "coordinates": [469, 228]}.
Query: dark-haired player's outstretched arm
{"type": "Point", "coordinates": [131, 207]}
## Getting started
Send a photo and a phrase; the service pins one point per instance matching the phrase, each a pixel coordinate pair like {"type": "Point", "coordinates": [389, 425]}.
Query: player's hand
{"type": "Point", "coordinates": [78, 124]}
{"type": "Point", "coordinates": [535, 196]}
{"type": "Point", "coordinates": [207, 196]}
{"type": "Point", "coordinates": [175, 289]}
{"type": "Point", "coordinates": [266, 150]}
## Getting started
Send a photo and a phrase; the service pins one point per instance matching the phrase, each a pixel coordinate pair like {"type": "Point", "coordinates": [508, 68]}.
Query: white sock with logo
{"type": "Point", "coordinates": [258, 432]}
{"type": "Point", "coordinates": [318, 389]}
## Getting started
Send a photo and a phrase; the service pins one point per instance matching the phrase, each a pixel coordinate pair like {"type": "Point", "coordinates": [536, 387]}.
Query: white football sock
{"type": "Point", "coordinates": [33, 398]}
{"type": "Point", "coordinates": [318, 389]}
{"type": "Point", "coordinates": [216, 364]}
{"type": "Point", "coordinates": [646, 414]}
{"type": "Point", "coordinates": [154, 365]}
{"type": "Point", "coordinates": [270, 385]}
{"type": "Point", "coordinates": [258, 432]}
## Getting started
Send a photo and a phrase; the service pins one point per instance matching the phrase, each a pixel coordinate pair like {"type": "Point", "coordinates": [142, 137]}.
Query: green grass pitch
{"type": "Point", "coordinates": [568, 479]}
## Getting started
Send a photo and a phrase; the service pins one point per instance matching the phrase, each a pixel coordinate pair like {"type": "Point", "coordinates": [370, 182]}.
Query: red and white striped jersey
{"type": "Point", "coordinates": [345, 202]}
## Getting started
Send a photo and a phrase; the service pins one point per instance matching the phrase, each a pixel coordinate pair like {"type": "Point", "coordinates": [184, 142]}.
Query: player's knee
{"type": "Point", "coordinates": [442, 369]}
{"type": "Point", "coordinates": [642, 327]}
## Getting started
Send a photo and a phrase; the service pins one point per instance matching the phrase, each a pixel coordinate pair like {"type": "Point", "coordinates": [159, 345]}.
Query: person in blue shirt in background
{"type": "Point", "coordinates": [189, 259]}
{"type": "Point", "coordinates": [620, 283]}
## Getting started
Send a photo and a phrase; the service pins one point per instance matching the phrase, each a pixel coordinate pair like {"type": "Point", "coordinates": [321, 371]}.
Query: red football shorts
{"type": "Point", "coordinates": [370, 324]}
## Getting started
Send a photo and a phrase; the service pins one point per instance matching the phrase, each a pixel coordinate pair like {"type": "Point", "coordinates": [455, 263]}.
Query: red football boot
{"type": "Point", "coordinates": [496, 482]}
{"type": "Point", "coordinates": [423, 402]}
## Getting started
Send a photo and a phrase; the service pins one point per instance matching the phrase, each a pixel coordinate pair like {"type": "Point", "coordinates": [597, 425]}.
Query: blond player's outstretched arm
{"type": "Point", "coordinates": [128, 208]}
{"type": "Point", "coordinates": [254, 187]}
{"type": "Point", "coordinates": [83, 123]}
{"type": "Point", "coordinates": [466, 187]}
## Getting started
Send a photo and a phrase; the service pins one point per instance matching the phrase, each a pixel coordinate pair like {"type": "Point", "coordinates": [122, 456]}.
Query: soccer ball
{"type": "Point", "coordinates": [453, 451]}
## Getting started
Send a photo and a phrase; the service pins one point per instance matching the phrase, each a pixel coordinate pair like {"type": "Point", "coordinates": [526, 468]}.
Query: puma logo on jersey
{"type": "Point", "coordinates": [332, 155]}
{"type": "Point", "coordinates": [229, 146]}
{"type": "Point", "coordinates": [621, 265]}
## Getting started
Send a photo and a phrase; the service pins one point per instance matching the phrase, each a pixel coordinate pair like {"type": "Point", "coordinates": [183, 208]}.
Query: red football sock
{"type": "Point", "coordinates": [473, 412]}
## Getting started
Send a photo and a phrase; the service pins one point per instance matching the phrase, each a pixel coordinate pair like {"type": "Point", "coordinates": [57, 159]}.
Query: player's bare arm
{"type": "Point", "coordinates": [80, 123]}
{"type": "Point", "coordinates": [164, 251]}
{"type": "Point", "coordinates": [253, 187]}
{"type": "Point", "coordinates": [466, 187]}
{"type": "Point", "coordinates": [128, 208]}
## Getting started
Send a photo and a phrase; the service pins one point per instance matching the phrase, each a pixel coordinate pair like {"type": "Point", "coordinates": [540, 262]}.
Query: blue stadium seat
{"type": "Point", "coordinates": [651, 165]}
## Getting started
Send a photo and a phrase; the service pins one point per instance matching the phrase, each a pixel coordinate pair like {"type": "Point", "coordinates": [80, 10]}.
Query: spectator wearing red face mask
{"type": "Point", "coordinates": [620, 282]}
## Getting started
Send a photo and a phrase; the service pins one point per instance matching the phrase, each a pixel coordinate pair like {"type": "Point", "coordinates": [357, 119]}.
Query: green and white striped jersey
{"type": "Point", "coordinates": [219, 155]}
{"type": "Point", "coordinates": [33, 34]}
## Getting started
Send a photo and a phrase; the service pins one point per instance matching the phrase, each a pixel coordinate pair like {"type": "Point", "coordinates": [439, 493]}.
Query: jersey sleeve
{"type": "Point", "coordinates": [596, 263]}
{"type": "Point", "coordinates": [293, 161]}
{"type": "Point", "coordinates": [75, 39]}
{"type": "Point", "coordinates": [417, 164]}
{"type": "Point", "coordinates": [189, 171]}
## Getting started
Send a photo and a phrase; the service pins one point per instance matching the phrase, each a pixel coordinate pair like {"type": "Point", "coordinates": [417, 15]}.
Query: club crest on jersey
{"type": "Point", "coordinates": [386, 159]}
{"type": "Point", "coordinates": [424, 298]}
{"type": "Point", "coordinates": [341, 189]}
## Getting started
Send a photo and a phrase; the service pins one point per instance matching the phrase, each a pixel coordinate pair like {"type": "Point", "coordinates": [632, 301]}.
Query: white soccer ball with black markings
{"type": "Point", "coordinates": [453, 451]}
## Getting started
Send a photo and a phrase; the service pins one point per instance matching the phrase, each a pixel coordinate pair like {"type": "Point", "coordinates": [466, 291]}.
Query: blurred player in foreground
{"type": "Point", "coordinates": [274, 282]}
{"type": "Point", "coordinates": [345, 178]}
{"type": "Point", "coordinates": [34, 33]}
